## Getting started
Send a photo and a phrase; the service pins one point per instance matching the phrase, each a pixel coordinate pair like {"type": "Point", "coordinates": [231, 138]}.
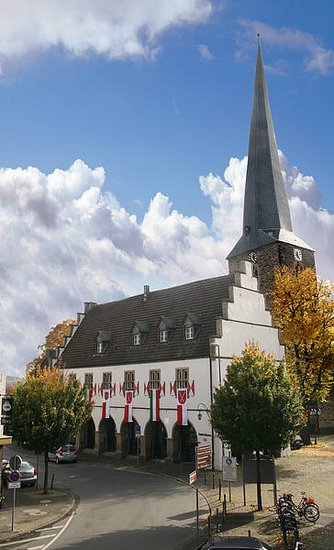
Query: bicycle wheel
{"type": "Point", "coordinates": [311, 512]}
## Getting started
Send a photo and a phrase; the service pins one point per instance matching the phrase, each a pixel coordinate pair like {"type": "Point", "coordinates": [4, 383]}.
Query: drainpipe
{"type": "Point", "coordinates": [212, 431]}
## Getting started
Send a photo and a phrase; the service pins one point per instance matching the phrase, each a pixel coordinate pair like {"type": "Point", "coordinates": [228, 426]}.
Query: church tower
{"type": "Point", "coordinates": [267, 239]}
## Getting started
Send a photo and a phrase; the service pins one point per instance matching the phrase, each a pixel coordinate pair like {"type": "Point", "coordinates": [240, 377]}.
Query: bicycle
{"type": "Point", "coordinates": [306, 508]}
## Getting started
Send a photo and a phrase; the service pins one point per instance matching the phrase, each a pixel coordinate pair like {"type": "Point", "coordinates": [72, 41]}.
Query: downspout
{"type": "Point", "coordinates": [212, 430]}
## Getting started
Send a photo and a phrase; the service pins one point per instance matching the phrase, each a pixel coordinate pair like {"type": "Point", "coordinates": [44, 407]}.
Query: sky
{"type": "Point", "coordinates": [124, 131]}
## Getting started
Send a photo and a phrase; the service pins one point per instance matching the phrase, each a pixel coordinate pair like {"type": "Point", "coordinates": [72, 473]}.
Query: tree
{"type": "Point", "coordinates": [48, 410]}
{"type": "Point", "coordinates": [53, 339]}
{"type": "Point", "coordinates": [256, 408]}
{"type": "Point", "coordinates": [303, 310]}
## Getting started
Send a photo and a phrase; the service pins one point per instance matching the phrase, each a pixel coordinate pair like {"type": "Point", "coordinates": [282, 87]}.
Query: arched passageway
{"type": "Point", "coordinates": [130, 443]}
{"type": "Point", "coordinates": [107, 429]}
{"type": "Point", "coordinates": [184, 443]}
{"type": "Point", "coordinates": [87, 435]}
{"type": "Point", "coordinates": [155, 440]}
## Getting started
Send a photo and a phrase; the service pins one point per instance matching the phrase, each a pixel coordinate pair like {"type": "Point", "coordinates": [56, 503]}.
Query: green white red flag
{"type": "Point", "coordinates": [182, 412]}
{"type": "Point", "coordinates": [128, 406]}
{"type": "Point", "coordinates": [155, 405]}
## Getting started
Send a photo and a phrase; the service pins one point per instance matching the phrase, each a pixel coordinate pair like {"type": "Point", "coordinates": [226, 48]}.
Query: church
{"type": "Point", "coordinates": [150, 362]}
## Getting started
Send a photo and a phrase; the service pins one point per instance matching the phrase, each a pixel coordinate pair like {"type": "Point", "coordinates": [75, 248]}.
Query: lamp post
{"type": "Point", "coordinates": [201, 407]}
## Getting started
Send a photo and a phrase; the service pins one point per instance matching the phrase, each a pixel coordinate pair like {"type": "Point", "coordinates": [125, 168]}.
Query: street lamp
{"type": "Point", "coordinates": [201, 407]}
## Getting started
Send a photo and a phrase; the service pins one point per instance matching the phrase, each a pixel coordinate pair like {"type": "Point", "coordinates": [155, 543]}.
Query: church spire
{"type": "Point", "coordinates": [266, 210]}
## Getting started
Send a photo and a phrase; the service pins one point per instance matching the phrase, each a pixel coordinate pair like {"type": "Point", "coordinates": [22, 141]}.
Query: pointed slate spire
{"type": "Point", "coordinates": [266, 208]}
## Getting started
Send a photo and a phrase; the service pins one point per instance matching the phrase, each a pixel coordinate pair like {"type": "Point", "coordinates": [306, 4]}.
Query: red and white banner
{"type": "Point", "coordinates": [155, 405]}
{"type": "Point", "coordinates": [128, 406]}
{"type": "Point", "coordinates": [182, 413]}
{"type": "Point", "coordinates": [106, 404]}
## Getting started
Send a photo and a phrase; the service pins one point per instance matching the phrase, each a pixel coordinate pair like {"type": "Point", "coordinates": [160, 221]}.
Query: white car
{"type": "Point", "coordinates": [66, 453]}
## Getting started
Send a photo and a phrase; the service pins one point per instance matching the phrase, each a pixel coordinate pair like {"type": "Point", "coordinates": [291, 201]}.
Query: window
{"type": "Point", "coordinates": [129, 380]}
{"type": "Point", "coordinates": [182, 378]}
{"type": "Point", "coordinates": [106, 380]}
{"type": "Point", "coordinates": [136, 339]}
{"type": "Point", "coordinates": [192, 326]}
{"type": "Point", "coordinates": [154, 379]}
{"type": "Point", "coordinates": [103, 340]}
{"type": "Point", "coordinates": [88, 381]}
{"type": "Point", "coordinates": [163, 336]}
{"type": "Point", "coordinates": [140, 332]}
{"type": "Point", "coordinates": [189, 333]}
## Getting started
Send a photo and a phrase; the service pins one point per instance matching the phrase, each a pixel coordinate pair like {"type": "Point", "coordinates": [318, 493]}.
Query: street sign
{"type": "Point", "coordinates": [15, 462]}
{"type": "Point", "coordinates": [229, 468]}
{"type": "Point", "coordinates": [203, 456]}
{"type": "Point", "coordinates": [14, 476]}
{"type": "Point", "coordinates": [5, 420]}
{"type": "Point", "coordinates": [6, 406]}
{"type": "Point", "coordinates": [14, 485]}
{"type": "Point", "coordinates": [137, 430]}
{"type": "Point", "coordinates": [192, 477]}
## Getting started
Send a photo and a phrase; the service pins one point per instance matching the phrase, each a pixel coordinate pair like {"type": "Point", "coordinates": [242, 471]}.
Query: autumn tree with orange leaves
{"type": "Point", "coordinates": [54, 338]}
{"type": "Point", "coordinates": [303, 310]}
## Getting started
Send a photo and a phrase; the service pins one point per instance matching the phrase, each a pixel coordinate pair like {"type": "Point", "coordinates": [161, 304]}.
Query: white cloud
{"type": "Point", "coordinates": [316, 57]}
{"type": "Point", "coordinates": [205, 52]}
{"type": "Point", "coordinates": [65, 240]}
{"type": "Point", "coordinates": [113, 29]}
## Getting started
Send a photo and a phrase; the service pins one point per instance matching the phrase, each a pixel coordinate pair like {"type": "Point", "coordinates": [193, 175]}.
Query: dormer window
{"type": "Point", "coordinates": [140, 332]}
{"type": "Point", "coordinates": [102, 341]}
{"type": "Point", "coordinates": [189, 333]}
{"type": "Point", "coordinates": [192, 326]}
{"type": "Point", "coordinates": [136, 339]}
{"type": "Point", "coordinates": [166, 327]}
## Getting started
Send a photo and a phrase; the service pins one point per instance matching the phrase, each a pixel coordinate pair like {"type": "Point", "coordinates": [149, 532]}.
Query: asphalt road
{"type": "Point", "coordinates": [122, 509]}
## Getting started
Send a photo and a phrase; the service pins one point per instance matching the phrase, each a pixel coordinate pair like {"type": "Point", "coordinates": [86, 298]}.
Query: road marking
{"type": "Point", "coordinates": [49, 528]}
{"type": "Point", "coordinates": [60, 532]}
{"type": "Point", "coordinates": [19, 541]}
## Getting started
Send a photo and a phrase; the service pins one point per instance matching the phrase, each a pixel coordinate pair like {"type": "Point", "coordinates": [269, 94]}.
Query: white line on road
{"type": "Point", "coordinates": [49, 528]}
{"type": "Point", "coordinates": [19, 541]}
{"type": "Point", "coordinates": [60, 532]}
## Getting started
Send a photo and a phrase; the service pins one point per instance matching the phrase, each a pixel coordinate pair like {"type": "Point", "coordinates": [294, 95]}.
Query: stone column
{"type": "Point", "coordinates": [170, 449]}
{"type": "Point", "coordinates": [119, 447]}
{"type": "Point", "coordinates": [97, 442]}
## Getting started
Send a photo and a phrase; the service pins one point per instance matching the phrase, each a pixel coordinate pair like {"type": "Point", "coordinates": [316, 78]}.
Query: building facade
{"type": "Point", "coordinates": [150, 363]}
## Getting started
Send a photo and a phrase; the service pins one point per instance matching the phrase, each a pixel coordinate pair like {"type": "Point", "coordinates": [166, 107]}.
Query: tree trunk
{"type": "Point", "coordinates": [258, 481]}
{"type": "Point", "coordinates": [46, 473]}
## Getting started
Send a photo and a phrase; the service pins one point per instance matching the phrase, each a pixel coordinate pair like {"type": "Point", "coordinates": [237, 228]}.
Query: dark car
{"type": "Point", "coordinates": [236, 543]}
{"type": "Point", "coordinates": [28, 473]}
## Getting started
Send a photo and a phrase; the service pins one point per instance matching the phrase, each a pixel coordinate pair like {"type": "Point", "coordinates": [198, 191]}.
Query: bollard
{"type": "Point", "coordinates": [213, 480]}
{"type": "Point", "coordinates": [217, 520]}
{"type": "Point", "coordinates": [220, 490]}
{"type": "Point", "coordinates": [52, 479]}
{"type": "Point", "coordinates": [249, 533]}
{"type": "Point", "coordinates": [224, 505]}
{"type": "Point", "coordinates": [209, 527]}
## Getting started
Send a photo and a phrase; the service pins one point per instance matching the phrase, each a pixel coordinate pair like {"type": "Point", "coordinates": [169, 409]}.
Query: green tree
{"type": "Point", "coordinates": [257, 407]}
{"type": "Point", "coordinates": [303, 310]}
{"type": "Point", "coordinates": [48, 410]}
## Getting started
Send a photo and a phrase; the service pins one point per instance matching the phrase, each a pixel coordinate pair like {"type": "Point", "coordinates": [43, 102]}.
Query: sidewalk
{"type": "Point", "coordinates": [33, 510]}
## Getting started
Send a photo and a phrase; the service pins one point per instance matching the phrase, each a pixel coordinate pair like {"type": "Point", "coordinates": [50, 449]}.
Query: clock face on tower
{"type": "Point", "coordinates": [297, 253]}
{"type": "Point", "coordinates": [253, 257]}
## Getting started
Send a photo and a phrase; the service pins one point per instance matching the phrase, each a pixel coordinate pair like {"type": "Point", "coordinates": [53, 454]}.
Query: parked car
{"type": "Point", "coordinates": [66, 453]}
{"type": "Point", "coordinates": [297, 443]}
{"type": "Point", "coordinates": [27, 471]}
{"type": "Point", "coordinates": [236, 543]}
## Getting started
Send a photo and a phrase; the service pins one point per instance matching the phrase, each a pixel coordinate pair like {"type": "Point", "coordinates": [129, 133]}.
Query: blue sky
{"type": "Point", "coordinates": [128, 117]}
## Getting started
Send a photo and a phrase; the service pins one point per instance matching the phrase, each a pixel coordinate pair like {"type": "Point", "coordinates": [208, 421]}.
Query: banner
{"type": "Point", "coordinates": [106, 404]}
{"type": "Point", "coordinates": [155, 405]}
{"type": "Point", "coordinates": [88, 394]}
{"type": "Point", "coordinates": [128, 406]}
{"type": "Point", "coordinates": [182, 413]}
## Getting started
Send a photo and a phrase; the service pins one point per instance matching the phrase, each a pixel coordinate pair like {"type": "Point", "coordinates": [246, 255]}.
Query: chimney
{"type": "Point", "coordinates": [146, 292]}
{"type": "Point", "coordinates": [88, 306]}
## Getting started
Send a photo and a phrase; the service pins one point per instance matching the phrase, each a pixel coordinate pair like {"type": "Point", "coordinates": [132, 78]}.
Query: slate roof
{"type": "Point", "coordinates": [202, 299]}
{"type": "Point", "coordinates": [266, 208]}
